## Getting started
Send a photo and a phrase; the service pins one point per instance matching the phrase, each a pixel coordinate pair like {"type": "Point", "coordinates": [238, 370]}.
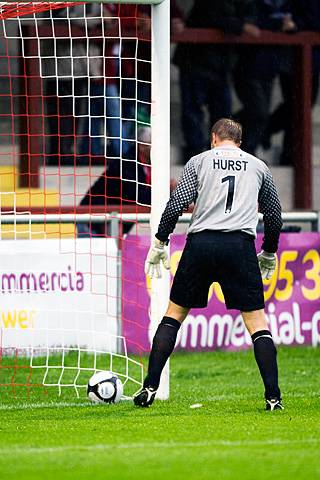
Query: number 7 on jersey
{"type": "Point", "coordinates": [231, 179]}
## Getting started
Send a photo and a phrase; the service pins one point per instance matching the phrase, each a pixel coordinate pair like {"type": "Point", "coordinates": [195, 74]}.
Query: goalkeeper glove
{"type": "Point", "coordinates": [267, 264]}
{"type": "Point", "coordinates": [156, 254]}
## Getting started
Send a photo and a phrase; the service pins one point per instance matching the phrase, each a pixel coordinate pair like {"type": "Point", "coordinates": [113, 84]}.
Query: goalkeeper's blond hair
{"type": "Point", "coordinates": [227, 129]}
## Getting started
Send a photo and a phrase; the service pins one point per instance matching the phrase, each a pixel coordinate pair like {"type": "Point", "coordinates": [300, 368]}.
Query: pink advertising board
{"type": "Point", "coordinates": [292, 299]}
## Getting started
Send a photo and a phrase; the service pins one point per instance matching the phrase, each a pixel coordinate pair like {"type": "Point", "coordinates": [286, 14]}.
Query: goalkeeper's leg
{"type": "Point", "coordinates": [162, 347]}
{"type": "Point", "coordinates": [266, 356]}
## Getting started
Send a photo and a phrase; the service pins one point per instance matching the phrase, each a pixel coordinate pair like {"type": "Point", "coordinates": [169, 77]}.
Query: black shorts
{"type": "Point", "coordinates": [228, 258]}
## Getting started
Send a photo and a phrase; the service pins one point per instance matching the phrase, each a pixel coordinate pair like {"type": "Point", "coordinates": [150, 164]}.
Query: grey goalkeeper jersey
{"type": "Point", "coordinates": [228, 186]}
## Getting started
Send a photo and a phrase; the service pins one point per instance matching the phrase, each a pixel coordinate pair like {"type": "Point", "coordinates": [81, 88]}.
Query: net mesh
{"type": "Point", "coordinates": [75, 107]}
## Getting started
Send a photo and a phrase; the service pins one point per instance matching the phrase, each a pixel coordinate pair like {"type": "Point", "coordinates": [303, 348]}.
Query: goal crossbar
{"type": "Point", "coordinates": [19, 9]}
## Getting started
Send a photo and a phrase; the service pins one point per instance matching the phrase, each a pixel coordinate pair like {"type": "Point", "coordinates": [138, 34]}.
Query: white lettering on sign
{"type": "Point", "coordinates": [225, 331]}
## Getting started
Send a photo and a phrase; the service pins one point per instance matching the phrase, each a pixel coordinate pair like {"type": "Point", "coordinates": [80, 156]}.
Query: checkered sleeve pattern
{"type": "Point", "coordinates": [181, 198]}
{"type": "Point", "coordinates": [269, 206]}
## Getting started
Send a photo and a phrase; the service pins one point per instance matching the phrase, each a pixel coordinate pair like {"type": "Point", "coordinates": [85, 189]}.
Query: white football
{"type": "Point", "coordinates": [104, 387]}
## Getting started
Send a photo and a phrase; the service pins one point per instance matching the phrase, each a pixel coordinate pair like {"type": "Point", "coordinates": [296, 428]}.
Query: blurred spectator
{"type": "Point", "coordinates": [306, 16]}
{"type": "Point", "coordinates": [122, 183]}
{"type": "Point", "coordinates": [104, 133]}
{"type": "Point", "coordinates": [136, 60]}
{"type": "Point", "coordinates": [66, 82]}
{"type": "Point", "coordinates": [135, 66]}
{"type": "Point", "coordinates": [204, 68]}
{"type": "Point", "coordinates": [127, 180]}
{"type": "Point", "coordinates": [257, 68]}
{"type": "Point", "coordinates": [96, 89]}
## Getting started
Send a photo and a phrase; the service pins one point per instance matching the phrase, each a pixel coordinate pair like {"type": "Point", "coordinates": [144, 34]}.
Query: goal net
{"type": "Point", "coordinates": [83, 175]}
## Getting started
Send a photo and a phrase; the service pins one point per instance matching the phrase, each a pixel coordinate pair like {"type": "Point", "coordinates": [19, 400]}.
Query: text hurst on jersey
{"type": "Point", "coordinates": [224, 164]}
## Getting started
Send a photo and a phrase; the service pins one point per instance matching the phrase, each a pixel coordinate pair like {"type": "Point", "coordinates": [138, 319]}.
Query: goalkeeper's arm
{"type": "Point", "coordinates": [181, 198]}
{"type": "Point", "coordinates": [270, 207]}
{"type": "Point", "coordinates": [184, 194]}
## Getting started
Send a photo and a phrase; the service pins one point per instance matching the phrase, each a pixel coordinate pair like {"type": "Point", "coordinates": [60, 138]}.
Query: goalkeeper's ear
{"type": "Point", "coordinates": [213, 140]}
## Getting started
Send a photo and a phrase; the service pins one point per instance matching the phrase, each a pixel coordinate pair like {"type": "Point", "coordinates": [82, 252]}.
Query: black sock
{"type": "Point", "coordinates": [266, 357]}
{"type": "Point", "coordinates": [162, 347]}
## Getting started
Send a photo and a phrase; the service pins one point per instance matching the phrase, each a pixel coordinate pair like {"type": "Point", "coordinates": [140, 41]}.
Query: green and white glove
{"type": "Point", "coordinates": [156, 254]}
{"type": "Point", "coordinates": [267, 264]}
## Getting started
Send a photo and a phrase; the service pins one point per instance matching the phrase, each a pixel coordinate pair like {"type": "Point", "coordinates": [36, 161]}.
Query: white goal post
{"type": "Point", "coordinates": [160, 156]}
{"type": "Point", "coordinates": [160, 148]}
{"type": "Point", "coordinates": [160, 152]}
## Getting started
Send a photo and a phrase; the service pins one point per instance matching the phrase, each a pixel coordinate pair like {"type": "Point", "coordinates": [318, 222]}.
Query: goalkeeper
{"type": "Point", "coordinates": [227, 185]}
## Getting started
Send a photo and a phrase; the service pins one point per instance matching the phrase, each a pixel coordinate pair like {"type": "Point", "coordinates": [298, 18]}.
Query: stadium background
{"type": "Point", "coordinates": [284, 176]}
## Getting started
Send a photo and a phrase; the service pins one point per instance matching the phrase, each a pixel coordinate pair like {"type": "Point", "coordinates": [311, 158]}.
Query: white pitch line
{"type": "Point", "coordinates": [37, 405]}
{"type": "Point", "coordinates": [21, 450]}
{"type": "Point", "coordinates": [28, 406]}
{"type": "Point", "coordinates": [214, 398]}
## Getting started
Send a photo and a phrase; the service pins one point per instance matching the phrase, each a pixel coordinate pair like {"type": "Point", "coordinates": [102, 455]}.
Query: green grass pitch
{"type": "Point", "coordinates": [230, 437]}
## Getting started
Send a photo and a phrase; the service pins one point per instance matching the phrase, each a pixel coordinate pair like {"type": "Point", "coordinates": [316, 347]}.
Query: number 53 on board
{"type": "Point", "coordinates": [282, 283]}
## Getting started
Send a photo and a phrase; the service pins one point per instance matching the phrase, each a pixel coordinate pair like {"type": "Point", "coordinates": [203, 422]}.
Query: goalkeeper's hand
{"type": "Point", "coordinates": [156, 254]}
{"type": "Point", "coordinates": [267, 263]}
